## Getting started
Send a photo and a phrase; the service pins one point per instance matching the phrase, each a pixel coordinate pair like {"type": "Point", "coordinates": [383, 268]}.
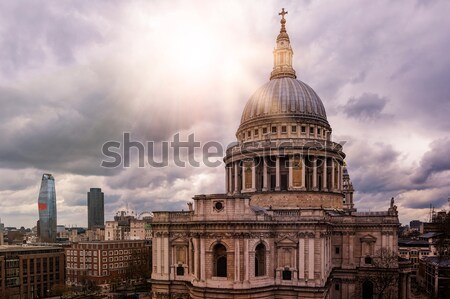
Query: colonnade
{"type": "Point", "coordinates": [284, 173]}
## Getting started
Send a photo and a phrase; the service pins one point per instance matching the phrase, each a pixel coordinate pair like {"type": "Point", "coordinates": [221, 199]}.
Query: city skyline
{"type": "Point", "coordinates": [157, 69]}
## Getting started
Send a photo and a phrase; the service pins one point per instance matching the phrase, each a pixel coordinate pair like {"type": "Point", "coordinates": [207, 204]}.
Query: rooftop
{"type": "Point", "coordinates": [429, 235]}
{"type": "Point", "coordinates": [413, 243]}
{"type": "Point", "coordinates": [441, 261]}
{"type": "Point", "coordinates": [11, 248]}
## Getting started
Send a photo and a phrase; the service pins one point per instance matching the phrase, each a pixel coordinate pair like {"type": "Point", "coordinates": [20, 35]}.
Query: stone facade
{"type": "Point", "coordinates": [286, 226]}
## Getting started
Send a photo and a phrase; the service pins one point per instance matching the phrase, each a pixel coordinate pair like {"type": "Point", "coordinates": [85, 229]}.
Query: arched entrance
{"type": "Point", "coordinates": [367, 290]}
{"type": "Point", "coordinates": [220, 260]}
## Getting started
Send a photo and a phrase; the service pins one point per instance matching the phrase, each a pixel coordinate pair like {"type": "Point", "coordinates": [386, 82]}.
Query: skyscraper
{"type": "Point", "coordinates": [47, 209]}
{"type": "Point", "coordinates": [96, 211]}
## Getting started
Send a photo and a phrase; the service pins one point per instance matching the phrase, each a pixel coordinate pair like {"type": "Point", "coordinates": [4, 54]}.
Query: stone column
{"type": "Point", "coordinates": [166, 255]}
{"type": "Point", "coordinates": [277, 178]}
{"type": "Point", "coordinates": [189, 258]}
{"type": "Point", "coordinates": [333, 187]}
{"type": "Point", "coordinates": [202, 259]}
{"type": "Point", "coordinates": [314, 173]}
{"type": "Point", "coordinates": [236, 180]}
{"type": "Point", "coordinates": [301, 259]}
{"type": "Point", "coordinates": [246, 261]}
{"type": "Point", "coordinates": [196, 260]}
{"type": "Point", "coordinates": [311, 258]}
{"type": "Point", "coordinates": [227, 178]}
{"type": "Point", "coordinates": [340, 177]}
{"type": "Point", "coordinates": [322, 258]}
{"type": "Point", "coordinates": [254, 175]}
{"type": "Point", "coordinates": [391, 241]}
{"type": "Point", "coordinates": [350, 248]}
{"type": "Point", "coordinates": [290, 163]}
{"type": "Point", "coordinates": [324, 179]}
{"type": "Point", "coordinates": [237, 266]}
{"type": "Point", "coordinates": [303, 172]}
{"type": "Point", "coordinates": [264, 174]}
{"type": "Point", "coordinates": [158, 254]}
{"type": "Point", "coordinates": [243, 176]}
{"type": "Point", "coordinates": [230, 177]}
{"type": "Point", "coordinates": [402, 286]}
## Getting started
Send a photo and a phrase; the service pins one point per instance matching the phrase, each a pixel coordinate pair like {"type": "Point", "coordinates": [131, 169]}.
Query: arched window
{"type": "Point", "coordinates": [220, 261]}
{"type": "Point", "coordinates": [368, 260]}
{"type": "Point", "coordinates": [260, 260]}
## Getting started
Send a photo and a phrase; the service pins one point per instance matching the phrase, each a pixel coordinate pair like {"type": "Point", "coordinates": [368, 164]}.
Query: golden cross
{"type": "Point", "coordinates": [282, 13]}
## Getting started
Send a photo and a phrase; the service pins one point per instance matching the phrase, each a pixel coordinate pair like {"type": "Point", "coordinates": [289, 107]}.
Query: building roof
{"type": "Point", "coordinates": [285, 97]}
{"type": "Point", "coordinates": [11, 248]}
{"type": "Point", "coordinates": [441, 261]}
{"type": "Point", "coordinates": [429, 235]}
{"type": "Point", "coordinates": [108, 241]}
{"type": "Point", "coordinates": [413, 243]}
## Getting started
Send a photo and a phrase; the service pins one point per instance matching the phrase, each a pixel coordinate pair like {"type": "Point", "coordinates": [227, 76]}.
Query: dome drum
{"type": "Point", "coordinates": [287, 148]}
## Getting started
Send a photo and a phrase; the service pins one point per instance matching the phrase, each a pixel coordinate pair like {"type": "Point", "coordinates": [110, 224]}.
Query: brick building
{"type": "Point", "coordinates": [434, 276]}
{"type": "Point", "coordinates": [104, 261]}
{"type": "Point", "coordinates": [30, 272]}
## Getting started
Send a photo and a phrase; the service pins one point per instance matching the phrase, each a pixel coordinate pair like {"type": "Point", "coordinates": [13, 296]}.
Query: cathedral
{"type": "Point", "coordinates": [286, 227]}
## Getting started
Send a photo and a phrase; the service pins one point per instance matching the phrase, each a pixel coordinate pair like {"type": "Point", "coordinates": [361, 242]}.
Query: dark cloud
{"type": "Point", "coordinates": [33, 34]}
{"type": "Point", "coordinates": [368, 106]}
{"type": "Point", "coordinates": [436, 160]}
{"type": "Point", "coordinates": [375, 168]}
{"type": "Point", "coordinates": [75, 75]}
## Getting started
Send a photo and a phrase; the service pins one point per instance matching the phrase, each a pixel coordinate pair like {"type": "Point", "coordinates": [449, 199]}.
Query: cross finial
{"type": "Point", "coordinates": [282, 13]}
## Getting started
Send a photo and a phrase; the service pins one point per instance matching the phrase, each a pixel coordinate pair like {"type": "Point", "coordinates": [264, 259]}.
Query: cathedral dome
{"type": "Point", "coordinates": [285, 97]}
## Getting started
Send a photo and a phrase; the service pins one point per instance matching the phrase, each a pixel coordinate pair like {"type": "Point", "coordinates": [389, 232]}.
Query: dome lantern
{"type": "Point", "coordinates": [283, 53]}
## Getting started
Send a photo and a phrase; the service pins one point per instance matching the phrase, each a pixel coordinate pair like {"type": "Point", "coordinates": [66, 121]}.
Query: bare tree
{"type": "Point", "coordinates": [384, 274]}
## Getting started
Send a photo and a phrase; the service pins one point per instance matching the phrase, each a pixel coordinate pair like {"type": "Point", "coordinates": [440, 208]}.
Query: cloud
{"type": "Point", "coordinates": [368, 106]}
{"type": "Point", "coordinates": [75, 75]}
{"type": "Point", "coordinates": [436, 160]}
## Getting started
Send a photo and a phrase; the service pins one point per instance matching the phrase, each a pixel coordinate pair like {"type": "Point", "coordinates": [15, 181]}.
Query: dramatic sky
{"type": "Point", "coordinates": [76, 74]}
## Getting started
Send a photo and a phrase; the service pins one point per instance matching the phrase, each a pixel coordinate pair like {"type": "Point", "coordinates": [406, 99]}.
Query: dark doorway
{"type": "Point", "coordinates": [367, 290]}
{"type": "Point", "coordinates": [273, 182]}
{"type": "Point", "coordinates": [220, 261]}
{"type": "Point", "coordinates": [284, 182]}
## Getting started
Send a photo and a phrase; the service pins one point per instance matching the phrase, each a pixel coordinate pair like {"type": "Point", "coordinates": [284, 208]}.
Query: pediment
{"type": "Point", "coordinates": [368, 239]}
{"type": "Point", "coordinates": [287, 241]}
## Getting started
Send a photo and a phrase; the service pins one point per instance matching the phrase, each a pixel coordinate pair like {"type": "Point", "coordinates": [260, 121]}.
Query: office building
{"type": "Point", "coordinates": [96, 208]}
{"type": "Point", "coordinates": [47, 209]}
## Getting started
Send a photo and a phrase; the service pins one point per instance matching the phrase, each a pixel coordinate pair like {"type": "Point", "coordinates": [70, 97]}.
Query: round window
{"type": "Point", "coordinates": [218, 205]}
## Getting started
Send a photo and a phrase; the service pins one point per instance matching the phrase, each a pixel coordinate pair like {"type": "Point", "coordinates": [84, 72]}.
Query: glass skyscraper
{"type": "Point", "coordinates": [96, 208]}
{"type": "Point", "coordinates": [47, 209]}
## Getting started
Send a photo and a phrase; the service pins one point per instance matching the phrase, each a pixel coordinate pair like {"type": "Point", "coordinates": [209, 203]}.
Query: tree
{"type": "Point", "coordinates": [384, 274]}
